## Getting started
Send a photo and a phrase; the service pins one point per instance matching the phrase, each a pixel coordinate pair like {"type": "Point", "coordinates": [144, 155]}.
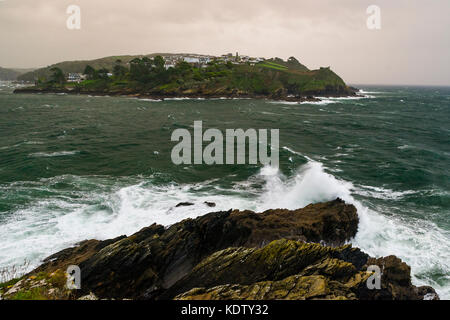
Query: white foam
{"type": "Point", "coordinates": [310, 185]}
{"type": "Point", "coordinates": [357, 97]}
{"type": "Point", "coordinates": [419, 243]}
{"type": "Point", "coordinates": [53, 154]}
{"type": "Point", "coordinates": [297, 153]}
{"type": "Point", "coordinates": [284, 102]}
{"type": "Point", "coordinates": [58, 222]}
{"type": "Point", "coordinates": [322, 102]}
{"type": "Point", "coordinates": [182, 98]}
{"type": "Point", "coordinates": [381, 193]}
{"type": "Point", "coordinates": [149, 100]}
{"type": "Point", "coordinates": [53, 224]}
{"type": "Point", "coordinates": [405, 146]}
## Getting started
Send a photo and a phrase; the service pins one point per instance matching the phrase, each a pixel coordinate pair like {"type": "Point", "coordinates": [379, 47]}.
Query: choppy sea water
{"type": "Point", "coordinates": [80, 167]}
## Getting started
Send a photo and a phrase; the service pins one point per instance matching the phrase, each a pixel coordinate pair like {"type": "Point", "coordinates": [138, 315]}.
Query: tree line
{"type": "Point", "coordinates": [148, 71]}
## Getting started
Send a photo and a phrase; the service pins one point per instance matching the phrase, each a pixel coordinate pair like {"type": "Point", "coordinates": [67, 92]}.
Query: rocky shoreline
{"type": "Point", "coordinates": [234, 95]}
{"type": "Point", "coordinates": [276, 254]}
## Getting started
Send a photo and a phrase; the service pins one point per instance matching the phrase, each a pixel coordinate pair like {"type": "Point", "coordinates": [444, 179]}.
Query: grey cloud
{"type": "Point", "coordinates": [412, 46]}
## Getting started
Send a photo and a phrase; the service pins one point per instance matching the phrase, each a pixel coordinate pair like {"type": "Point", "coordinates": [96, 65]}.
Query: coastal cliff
{"type": "Point", "coordinates": [276, 254]}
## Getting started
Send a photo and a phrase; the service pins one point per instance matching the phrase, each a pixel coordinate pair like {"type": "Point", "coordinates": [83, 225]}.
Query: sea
{"type": "Point", "coordinates": [75, 167]}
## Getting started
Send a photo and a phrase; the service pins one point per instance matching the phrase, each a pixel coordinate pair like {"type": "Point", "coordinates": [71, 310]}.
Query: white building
{"type": "Point", "coordinates": [75, 77]}
{"type": "Point", "coordinates": [191, 60]}
{"type": "Point", "coordinates": [169, 65]}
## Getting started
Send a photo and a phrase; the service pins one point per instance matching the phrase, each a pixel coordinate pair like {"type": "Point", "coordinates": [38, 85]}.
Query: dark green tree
{"type": "Point", "coordinates": [183, 68]}
{"type": "Point", "coordinates": [119, 71]}
{"type": "Point", "coordinates": [89, 72]}
{"type": "Point", "coordinates": [159, 63]}
{"type": "Point", "coordinates": [141, 69]}
{"type": "Point", "coordinates": [57, 76]}
{"type": "Point", "coordinates": [102, 74]}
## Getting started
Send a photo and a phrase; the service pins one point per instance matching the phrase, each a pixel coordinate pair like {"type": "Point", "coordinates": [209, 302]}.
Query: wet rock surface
{"type": "Point", "coordinates": [276, 254]}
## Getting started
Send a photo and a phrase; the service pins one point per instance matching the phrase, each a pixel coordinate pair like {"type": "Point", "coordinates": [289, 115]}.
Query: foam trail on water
{"type": "Point", "coordinates": [53, 154]}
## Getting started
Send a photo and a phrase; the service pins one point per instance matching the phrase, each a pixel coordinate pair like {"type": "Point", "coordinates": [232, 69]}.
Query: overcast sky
{"type": "Point", "coordinates": [412, 46]}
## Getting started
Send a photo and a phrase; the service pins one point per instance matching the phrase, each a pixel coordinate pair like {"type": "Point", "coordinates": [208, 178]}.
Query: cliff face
{"type": "Point", "coordinates": [238, 255]}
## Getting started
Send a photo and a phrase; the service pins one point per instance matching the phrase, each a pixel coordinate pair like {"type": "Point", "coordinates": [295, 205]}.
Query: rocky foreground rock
{"type": "Point", "coordinates": [276, 254]}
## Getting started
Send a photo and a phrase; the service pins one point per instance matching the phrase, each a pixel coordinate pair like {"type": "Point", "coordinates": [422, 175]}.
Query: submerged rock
{"type": "Point", "coordinates": [210, 204]}
{"type": "Point", "coordinates": [184, 204]}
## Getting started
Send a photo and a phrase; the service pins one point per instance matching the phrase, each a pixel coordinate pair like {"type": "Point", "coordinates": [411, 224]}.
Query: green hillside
{"type": "Point", "coordinates": [147, 75]}
{"type": "Point", "coordinates": [78, 66]}
{"type": "Point", "coordinates": [280, 64]}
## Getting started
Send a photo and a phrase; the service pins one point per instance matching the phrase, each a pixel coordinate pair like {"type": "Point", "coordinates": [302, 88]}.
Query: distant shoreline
{"type": "Point", "coordinates": [309, 98]}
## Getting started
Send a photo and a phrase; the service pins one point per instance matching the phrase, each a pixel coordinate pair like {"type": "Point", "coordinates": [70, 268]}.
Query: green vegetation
{"type": "Point", "coordinates": [57, 76]}
{"type": "Point", "coordinates": [8, 284]}
{"type": "Point", "coordinates": [279, 64]}
{"type": "Point", "coordinates": [273, 65]}
{"type": "Point", "coordinates": [148, 75]}
{"type": "Point", "coordinates": [30, 294]}
{"type": "Point", "coordinates": [39, 286]}
{"type": "Point", "coordinates": [78, 66]}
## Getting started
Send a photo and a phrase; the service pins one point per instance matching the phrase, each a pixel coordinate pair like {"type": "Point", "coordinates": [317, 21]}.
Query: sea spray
{"type": "Point", "coordinates": [116, 184]}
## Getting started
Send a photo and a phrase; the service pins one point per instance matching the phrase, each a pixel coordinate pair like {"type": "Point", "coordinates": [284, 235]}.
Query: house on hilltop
{"type": "Point", "coordinates": [75, 77]}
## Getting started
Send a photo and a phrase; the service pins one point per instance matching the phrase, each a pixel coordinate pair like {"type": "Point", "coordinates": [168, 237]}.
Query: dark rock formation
{"type": "Point", "coordinates": [287, 269]}
{"type": "Point", "coordinates": [74, 255]}
{"type": "Point", "coordinates": [153, 259]}
{"type": "Point", "coordinates": [292, 288]}
{"type": "Point", "coordinates": [235, 251]}
{"type": "Point", "coordinates": [222, 92]}
{"type": "Point", "coordinates": [184, 204]}
{"type": "Point", "coordinates": [210, 204]}
{"type": "Point", "coordinates": [278, 260]}
{"type": "Point", "coordinates": [395, 282]}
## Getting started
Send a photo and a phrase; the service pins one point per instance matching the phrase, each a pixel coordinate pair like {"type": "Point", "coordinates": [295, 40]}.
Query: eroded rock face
{"type": "Point", "coordinates": [395, 282]}
{"type": "Point", "coordinates": [150, 261]}
{"type": "Point", "coordinates": [232, 254]}
{"type": "Point", "coordinates": [287, 269]}
{"type": "Point", "coordinates": [291, 288]}
{"type": "Point", "coordinates": [275, 262]}
{"type": "Point", "coordinates": [332, 222]}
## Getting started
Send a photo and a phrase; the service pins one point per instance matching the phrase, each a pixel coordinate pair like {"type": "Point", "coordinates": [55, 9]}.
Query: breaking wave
{"type": "Point", "coordinates": [101, 209]}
